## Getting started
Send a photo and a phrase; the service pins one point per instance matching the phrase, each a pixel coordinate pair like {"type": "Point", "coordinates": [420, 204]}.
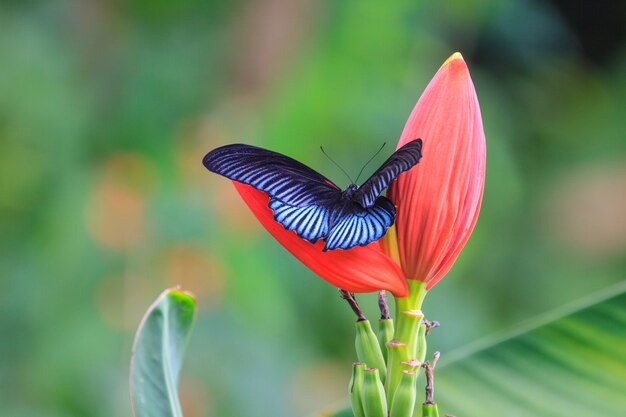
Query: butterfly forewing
{"type": "Point", "coordinates": [278, 175]}
{"type": "Point", "coordinates": [401, 160]}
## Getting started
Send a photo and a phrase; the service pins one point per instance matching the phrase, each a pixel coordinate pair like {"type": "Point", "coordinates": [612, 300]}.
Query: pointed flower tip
{"type": "Point", "coordinates": [455, 57]}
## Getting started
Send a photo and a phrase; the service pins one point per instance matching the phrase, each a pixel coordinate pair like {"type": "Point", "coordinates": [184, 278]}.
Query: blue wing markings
{"type": "Point", "coordinates": [309, 222]}
{"type": "Point", "coordinates": [360, 227]}
{"type": "Point", "coordinates": [305, 201]}
{"type": "Point", "coordinates": [271, 172]}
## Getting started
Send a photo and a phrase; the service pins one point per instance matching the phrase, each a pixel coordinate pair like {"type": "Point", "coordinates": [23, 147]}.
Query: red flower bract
{"type": "Point", "coordinates": [360, 269]}
{"type": "Point", "coordinates": [439, 199]}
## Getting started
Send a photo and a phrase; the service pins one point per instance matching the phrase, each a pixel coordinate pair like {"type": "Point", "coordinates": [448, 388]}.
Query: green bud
{"type": "Point", "coordinates": [368, 349]}
{"type": "Point", "coordinates": [430, 410]}
{"type": "Point", "coordinates": [356, 389]}
{"type": "Point", "coordinates": [404, 398]}
{"type": "Point", "coordinates": [385, 334]}
{"type": "Point", "coordinates": [373, 394]}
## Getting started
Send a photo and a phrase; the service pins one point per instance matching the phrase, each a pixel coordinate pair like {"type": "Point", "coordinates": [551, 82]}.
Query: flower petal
{"type": "Point", "coordinates": [439, 199]}
{"type": "Point", "coordinates": [360, 269]}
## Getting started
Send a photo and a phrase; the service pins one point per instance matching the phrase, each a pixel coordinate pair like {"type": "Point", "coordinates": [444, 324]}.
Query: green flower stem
{"type": "Point", "coordinates": [385, 334]}
{"type": "Point", "coordinates": [420, 355]}
{"type": "Point", "coordinates": [430, 410]}
{"type": "Point", "coordinates": [406, 344]}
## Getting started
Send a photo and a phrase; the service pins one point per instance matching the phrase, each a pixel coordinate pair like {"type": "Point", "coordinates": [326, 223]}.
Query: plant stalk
{"type": "Point", "coordinates": [408, 323]}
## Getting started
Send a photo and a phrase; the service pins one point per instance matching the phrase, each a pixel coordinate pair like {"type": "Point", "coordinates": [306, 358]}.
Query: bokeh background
{"type": "Point", "coordinates": [107, 107]}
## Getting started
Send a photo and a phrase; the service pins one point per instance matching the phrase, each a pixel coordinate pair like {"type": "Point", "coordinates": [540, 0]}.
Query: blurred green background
{"type": "Point", "coordinates": [107, 107]}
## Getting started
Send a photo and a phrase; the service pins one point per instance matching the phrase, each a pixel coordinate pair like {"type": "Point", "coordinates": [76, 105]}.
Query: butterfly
{"type": "Point", "coordinates": [308, 203]}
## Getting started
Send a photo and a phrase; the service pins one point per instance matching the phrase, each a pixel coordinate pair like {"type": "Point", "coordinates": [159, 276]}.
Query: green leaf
{"type": "Point", "coordinates": [571, 364]}
{"type": "Point", "coordinates": [158, 352]}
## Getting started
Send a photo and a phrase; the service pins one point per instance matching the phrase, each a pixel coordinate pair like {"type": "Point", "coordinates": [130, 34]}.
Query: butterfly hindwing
{"type": "Point", "coordinates": [278, 175]}
{"type": "Point", "coordinates": [401, 160]}
{"type": "Point", "coordinates": [309, 222]}
{"type": "Point", "coordinates": [360, 226]}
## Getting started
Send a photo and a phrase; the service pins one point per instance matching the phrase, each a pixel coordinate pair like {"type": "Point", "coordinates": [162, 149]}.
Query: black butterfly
{"type": "Point", "coordinates": [306, 202]}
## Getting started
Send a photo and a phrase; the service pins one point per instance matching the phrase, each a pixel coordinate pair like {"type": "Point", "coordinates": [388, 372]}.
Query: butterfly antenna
{"type": "Point", "coordinates": [370, 160]}
{"type": "Point", "coordinates": [337, 165]}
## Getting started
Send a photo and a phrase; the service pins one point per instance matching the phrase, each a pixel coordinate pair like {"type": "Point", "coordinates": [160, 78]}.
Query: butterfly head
{"type": "Point", "coordinates": [349, 192]}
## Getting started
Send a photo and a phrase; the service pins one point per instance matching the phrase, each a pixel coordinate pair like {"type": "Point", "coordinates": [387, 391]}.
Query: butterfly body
{"type": "Point", "coordinates": [306, 202]}
{"type": "Point", "coordinates": [349, 192]}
